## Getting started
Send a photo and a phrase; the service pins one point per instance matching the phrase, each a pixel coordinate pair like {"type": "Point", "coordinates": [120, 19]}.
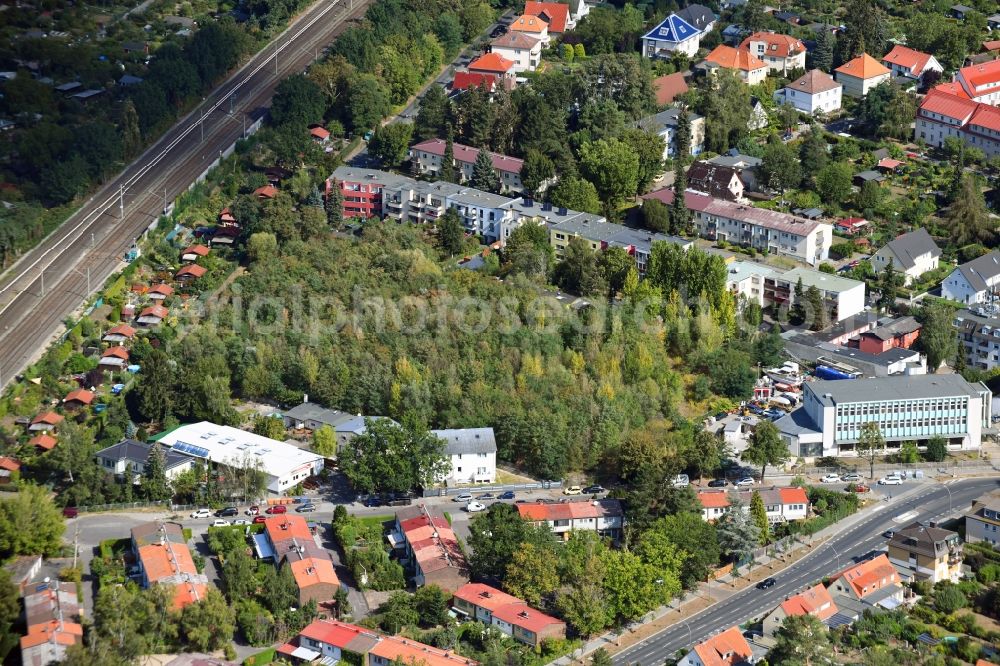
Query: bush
{"type": "Point", "coordinates": [948, 598]}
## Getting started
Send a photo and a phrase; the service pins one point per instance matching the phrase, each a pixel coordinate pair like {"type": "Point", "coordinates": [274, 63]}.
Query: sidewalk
{"type": "Point", "coordinates": [710, 593]}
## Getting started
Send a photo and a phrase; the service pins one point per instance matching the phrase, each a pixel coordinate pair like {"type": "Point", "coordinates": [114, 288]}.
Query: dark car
{"type": "Point", "coordinates": [228, 511]}
{"type": "Point", "coordinates": [766, 583]}
{"type": "Point", "coordinates": [486, 496]}
{"type": "Point", "coordinates": [506, 495]}
{"type": "Point", "coordinates": [593, 490]}
{"type": "Point", "coordinates": [305, 508]}
{"type": "Point", "coordinates": [71, 512]}
{"type": "Point", "coordinates": [499, 30]}
{"type": "Point", "coordinates": [718, 483]}
{"type": "Point", "coordinates": [373, 501]}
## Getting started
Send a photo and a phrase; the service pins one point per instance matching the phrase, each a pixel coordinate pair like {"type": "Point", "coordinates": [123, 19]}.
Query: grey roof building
{"type": "Point", "coordinates": [913, 253]}
{"type": "Point", "coordinates": [699, 16]}
{"type": "Point", "coordinates": [467, 440]}
{"type": "Point", "coordinates": [311, 416]}
{"type": "Point", "coordinates": [131, 456]}
{"type": "Point", "coordinates": [472, 453]}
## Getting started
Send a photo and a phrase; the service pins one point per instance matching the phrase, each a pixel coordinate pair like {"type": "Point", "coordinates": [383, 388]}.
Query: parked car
{"type": "Point", "coordinates": [572, 490]}
{"type": "Point", "coordinates": [475, 507]}
{"type": "Point", "coordinates": [766, 583]}
{"type": "Point", "coordinates": [372, 501]}
{"type": "Point", "coordinates": [228, 511]}
{"type": "Point", "coordinates": [464, 497]}
{"type": "Point", "coordinates": [745, 482]}
{"type": "Point", "coordinates": [593, 490]}
{"type": "Point", "coordinates": [219, 522]}
{"type": "Point", "coordinates": [858, 488]}
{"type": "Point", "coordinates": [681, 481]}
{"type": "Point", "coordinates": [852, 477]}
{"type": "Point", "coordinates": [891, 480]}
{"type": "Point", "coordinates": [201, 513]}
{"type": "Point", "coordinates": [499, 30]}
{"type": "Point", "coordinates": [253, 511]}
{"type": "Point", "coordinates": [718, 483]}
{"type": "Point", "coordinates": [486, 496]}
{"type": "Point", "coordinates": [830, 478]}
{"type": "Point", "coordinates": [276, 509]}
{"type": "Point", "coordinates": [888, 534]}
{"type": "Point", "coordinates": [508, 495]}
{"type": "Point", "coordinates": [259, 519]}
{"type": "Point", "coordinates": [305, 508]}
{"type": "Point", "coordinates": [241, 522]}
{"type": "Point", "coordinates": [71, 512]}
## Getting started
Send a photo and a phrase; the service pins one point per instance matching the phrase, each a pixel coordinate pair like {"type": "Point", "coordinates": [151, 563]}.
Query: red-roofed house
{"type": "Point", "coordinates": [427, 157]}
{"type": "Point", "coordinates": [319, 134]}
{"type": "Point", "coordinates": [942, 115]}
{"type": "Point", "coordinates": [536, 26]}
{"type": "Point", "coordinates": [119, 334]}
{"type": "Point", "coordinates": [152, 316]}
{"type": "Point", "coordinates": [163, 556]}
{"type": "Point", "coordinates": [521, 48]}
{"type": "Point", "coordinates": [726, 649]}
{"type": "Point", "coordinates": [160, 292]}
{"type": "Point", "coordinates": [43, 442]}
{"type": "Point", "coordinates": [266, 192]}
{"type": "Point", "coordinates": [781, 53]}
{"type": "Point", "coordinates": [852, 226]}
{"type": "Point", "coordinates": [193, 252]}
{"type": "Point", "coordinates": [9, 464]}
{"type": "Point", "coordinates": [46, 642]}
{"type": "Point", "coordinates": [904, 61]}
{"type": "Point", "coordinates": [497, 65]}
{"type": "Point", "coordinates": [115, 358]}
{"type": "Point", "coordinates": [749, 67]}
{"type": "Point", "coordinates": [874, 580]}
{"type": "Point", "coordinates": [190, 272]}
{"type": "Point", "coordinates": [289, 541]}
{"type": "Point", "coordinates": [667, 88]}
{"type": "Point", "coordinates": [431, 547]}
{"type": "Point", "coordinates": [45, 422]}
{"type": "Point", "coordinates": [815, 601]}
{"type": "Point", "coordinates": [782, 504]}
{"type": "Point", "coordinates": [465, 80]}
{"type": "Point", "coordinates": [555, 14]}
{"type": "Point", "coordinates": [508, 613]}
{"type": "Point", "coordinates": [78, 398]}
{"type": "Point", "coordinates": [603, 516]}
{"type": "Point", "coordinates": [226, 218]}
{"type": "Point", "coordinates": [981, 82]}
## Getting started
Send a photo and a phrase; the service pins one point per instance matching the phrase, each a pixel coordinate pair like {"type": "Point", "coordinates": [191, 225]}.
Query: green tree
{"type": "Point", "coordinates": [391, 143]}
{"type": "Point", "coordinates": [496, 535]}
{"type": "Point", "coordinates": [448, 172]}
{"type": "Point", "coordinates": [887, 111]}
{"type": "Point", "coordinates": [802, 640]}
{"type": "Point", "coordinates": [10, 610]}
{"type": "Point", "coordinates": [937, 449]}
{"type": "Point", "coordinates": [967, 217]}
{"type": "Point", "coordinates": [680, 216]}
{"type": "Point", "coordinates": [871, 445]}
{"type": "Point", "coordinates": [578, 272]}
{"type": "Point", "coordinates": [398, 612]}
{"type": "Point", "coordinates": [600, 657]}
{"type": "Point", "coordinates": [154, 477]}
{"type": "Point", "coordinates": [269, 426]}
{"type": "Point", "coordinates": [867, 29]}
{"type": "Point", "coordinates": [759, 514]}
{"type": "Point", "coordinates": [334, 205]}
{"type": "Point", "coordinates": [833, 183]}
{"type": "Point", "coordinates": [937, 335]}
{"type": "Point", "coordinates": [528, 250]}
{"type": "Point", "coordinates": [154, 398]}
{"type": "Point", "coordinates": [818, 306]}
{"type": "Point", "coordinates": [682, 135]}
{"type": "Point", "coordinates": [766, 447]}
{"type": "Point", "coordinates": [367, 102]}
{"type": "Point", "coordinates": [648, 147]}
{"type": "Point", "coordinates": [131, 136]}
{"type": "Point", "coordinates": [30, 523]}
{"type": "Point", "coordinates": [484, 175]}
{"type": "Point", "coordinates": [812, 154]}
{"type": "Point", "coordinates": [431, 604]}
{"type": "Point", "coordinates": [889, 283]}
{"type": "Point", "coordinates": [298, 101]}
{"type": "Point", "coordinates": [908, 452]}
{"type": "Point", "coordinates": [451, 233]}
{"type": "Point", "coordinates": [695, 538]}
{"type": "Point", "coordinates": [262, 247]}
{"type": "Point", "coordinates": [433, 115]}
{"type": "Point", "coordinates": [948, 597]}
{"type": "Point", "coordinates": [531, 573]}
{"type": "Point", "coordinates": [632, 587]}
{"type": "Point", "coordinates": [615, 263]}
{"type": "Point", "coordinates": [576, 194]}
{"type": "Point", "coordinates": [613, 167]}
{"type": "Point", "coordinates": [779, 168]}
{"type": "Point", "coordinates": [239, 571]}
{"type": "Point", "coordinates": [537, 169]}
{"type": "Point", "coordinates": [579, 51]}
{"type": "Point", "coordinates": [797, 313]}
{"type": "Point", "coordinates": [324, 442]}
{"type": "Point", "coordinates": [821, 56]}
{"type": "Point", "coordinates": [738, 534]}
{"type": "Point", "coordinates": [209, 623]}
{"type": "Point", "coordinates": [391, 457]}
{"type": "Point", "coordinates": [655, 215]}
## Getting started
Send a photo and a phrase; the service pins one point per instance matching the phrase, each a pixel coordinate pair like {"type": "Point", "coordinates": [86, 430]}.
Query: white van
{"type": "Point", "coordinates": [681, 481]}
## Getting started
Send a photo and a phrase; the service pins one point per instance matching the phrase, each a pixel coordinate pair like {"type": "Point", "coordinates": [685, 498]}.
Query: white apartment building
{"type": "Point", "coordinates": [472, 453]}
{"type": "Point", "coordinates": [813, 92]}
{"type": "Point", "coordinates": [974, 282]}
{"type": "Point", "coordinates": [844, 297]}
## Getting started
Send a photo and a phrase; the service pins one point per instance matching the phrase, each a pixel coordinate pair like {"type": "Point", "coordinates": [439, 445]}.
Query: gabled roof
{"type": "Point", "coordinates": [907, 58]}
{"type": "Point", "coordinates": [987, 117]}
{"type": "Point", "coordinates": [284, 527]}
{"type": "Point", "coordinates": [48, 418]}
{"type": "Point", "coordinates": [730, 58]}
{"type": "Point", "coordinates": [484, 596]}
{"type": "Point", "coordinates": [465, 80]}
{"type": "Point", "coordinates": [115, 352]}
{"type": "Point", "coordinates": [981, 270]}
{"type": "Point", "coordinates": [80, 395]}
{"type": "Point", "coordinates": [570, 510]}
{"type": "Point", "coordinates": [491, 62]}
{"type": "Point", "coordinates": [152, 532]}
{"type": "Point", "coordinates": [952, 88]}
{"type": "Point", "coordinates": [526, 617]}
{"type": "Point", "coordinates": [556, 14]}
{"type": "Point", "coordinates": [981, 75]}
{"type": "Point", "coordinates": [468, 154]}
{"type": "Point", "coordinates": [868, 576]}
{"type": "Point", "coordinates": [310, 571]}
{"type": "Point", "coordinates": [955, 107]}
{"type": "Point", "coordinates": [713, 179]}
{"type": "Point", "coordinates": [725, 649]}
{"type": "Point", "coordinates": [467, 440]}
{"type": "Point", "coordinates": [815, 601]}
{"type": "Point", "coordinates": [923, 536]}
{"type": "Point", "coordinates": [319, 133]}
{"type": "Point", "coordinates": [43, 441]}
{"type": "Point", "coordinates": [992, 45]}
{"type": "Point", "coordinates": [813, 82]}
{"type": "Point", "coordinates": [699, 16]}
{"type": "Point", "coordinates": [907, 247]}
{"type": "Point", "coordinates": [201, 250]}
{"type": "Point", "coordinates": [349, 637]}
{"type": "Point", "coordinates": [778, 45]}
{"type": "Point", "coordinates": [139, 452]}
{"type": "Point", "coordinates": [154, 311]}
{"type": "Point", "coordinates": [124, 330]}
{"type": "Point", "coordinates": [529, 23]}
{"type": "Point", "coordinates": [673, 29]}
{"type": "Point", "coordinates": [9, 464]}
{"type": "Point", "coordinates": [666, 88]}
{"type": "Point", "coordinates": [713, 499]}
{"type": "Point", "coordinates": [163, 289]}
{"type": "Point", "coordinates": [266, 192]}
{"type": "Point", "coordinates": [515, 39]}
{"type": "Point", "coordinates": [194, 270]}
{"type": "Point", "coordinates": [863, 67]}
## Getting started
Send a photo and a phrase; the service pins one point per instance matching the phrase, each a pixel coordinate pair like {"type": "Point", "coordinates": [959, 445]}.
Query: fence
{"type": "Point", "coordinates": [542, 485]}
{"type": "Point", "coordinates": [859, 465]}
{"type": "Point", "coordinates": [124, 506]}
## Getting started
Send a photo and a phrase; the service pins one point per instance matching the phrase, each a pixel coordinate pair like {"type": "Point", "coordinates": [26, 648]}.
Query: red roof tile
{"type": "Point", "coordinates": [730, 58]}
{"type": "Point", "coordinates": [814, 601]}
{"type": "Point", "coordinates": [667, 88]}
{"type": "Point", "coordinates": [725, 649]}
{"type": "Point", "coordinates": [43, 441]}
{"type": "Point", "coordinates": [155, 311]}
{"type": "Point", "coordinates": [907, 58]}
{"type": "Point", "coordinates": [982, 74]}
{"type": "Point", "coordinates": [80, 395]}
{"type": "Point", "coordinates": [953, 88]}
{"type": "Point", "coordinates": [868, 576]}
{"type": "Point", "coordinates": [123, 330]}
{"type": "Point", "coordinates": [199, 250]}
{"type": "Point", "coordinates": [485, 596]}
{"type": "Point", "coordinates": [778, 45]}
{"type": "Point", "coordinates": [987, 117]}
{"type": "Point", "coordinates": [319, 133]}
{"type": "Point", "coordinates": [529, 23]}
{"type": "Point", "coordinates": [468, 154]}
{"type": "Point", "coordinates": [522, 615]}
{"type": "Point", "coordinates": [465, 80]}
{"type": "Point", "coordinates": [162, 289]}
{"type": "Point", "coordinates": [957, 108]}
{"type": "Point", "coordinates": [713, 499]}
{"type": "Point", "coordinates": [491, 62]}
{"type": "Point", "coordinates": [48, 418]}
{"type": "Point", "coordinates": [9, 464]}
{"type": "Point", "coordinates": [266, 192]}
{"type": "Point", "coordinates": [863, 67]}
{"type": "Point", "coordinates": [116, 352]}
{"type": "Point", "coordinates": [793, 495]}
{"type": "Point", "coordinates": [555, 13]}
{"type": "Point", "coordinates": [194, 270]}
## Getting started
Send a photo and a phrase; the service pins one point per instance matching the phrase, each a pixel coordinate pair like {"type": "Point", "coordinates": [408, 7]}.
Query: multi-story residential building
{"type": "Point", "coordinates": [672, 34]}
{"type": "Point", "coordinates": [521, 48]}
{"type": "Point", "coordinates": [751, 69]}
{"type": "Point", "coordinates": [603, 516]}
{"type": "Point", "coordinates": [507, 613]}
{"type": "Point", "coordinates": [716, 180]}
{"type": "Point", "coordinates": [472, 453]}
{"type": "Point", "coordinates": [815, 601]}
{"type": "Point", "coordinates": [979, 335]}
{"type": "Point", "coordinates": [874, 581]}
{"type": "Point", "coordinates": [982, 520]}
{"type": "Point", "coordinates": [746, 279]}
{"type": "Point", "coordinates": [843, 296]}
{"type": "Point", "coordinates": [163, 557]}
{"type": "Point", "coordinates": [288, 542]}
{"type": "Point", "coordinates": [981, 82]}
{"type": "Point", "coordinates": [729, 648]}
{"type": "Point", "coordinates": [745, 165]}
{"type": "Point", "coordinates": [556, 15]}
{"type": "Point", "coordinates": [535, 26]}
{"type": "Point", "coordinates": [495, 65]}
{"type": "Point", "coordinates": [427, 157]}
{"type": "Point", "coordinates": [813, 92]}
{"type": "Point", "coordinates": [764, 230]}
{"type": "Point", "coordinates": [362, 189]}
{"type": "Point", "coordinates": [926, 552]}
{"type": "Point", "coordinates": [602, 234]}
{"type": "Point", "coordinates": [332, 641]}
{"type": "Point", "coordinates": [52, 617]}
{"type": "Point", "coordinates": [900, 333]}
{"type": "Point", "coordinates": [482, 213]}
{"type": "Point", "coordinates": [700, 16]}
{"type": "Point", "coordinates": [129, 458]}
{"type": "Point", "coordinates": [947, 112]}
{"type": "Point", "coordinates": [783, 504]}
{"type": "Point", "coordinates": [905, 408]}
{"type": "Point", "coordinates": [974, 282]}
{"type": "Point", "coordinates": [860, 75]}
{"type": "Point", "coordinates": [912, 254]}
{"type": "Point", "coordinates": [904, 61]}
{"type": "Point", "coordinates": [430, 548]}
{"type": "Point", "coordinates": [781, 53]}
{"type": "Point", "coordinates": [664, 124]}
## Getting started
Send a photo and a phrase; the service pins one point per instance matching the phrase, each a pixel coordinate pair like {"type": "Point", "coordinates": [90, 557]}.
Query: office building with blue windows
{"type": "Point", "coordinates": [906, 408]}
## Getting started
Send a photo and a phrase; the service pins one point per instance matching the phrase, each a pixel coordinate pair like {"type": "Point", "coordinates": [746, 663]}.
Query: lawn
{"type": "Point", "coordinates": [375, 521]}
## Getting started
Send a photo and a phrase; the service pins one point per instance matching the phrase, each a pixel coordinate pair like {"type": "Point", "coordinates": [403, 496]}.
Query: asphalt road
{"type": "Point", "coordinates": [932, 502]}
{"type": "Point", "coordinates": [50, 282]}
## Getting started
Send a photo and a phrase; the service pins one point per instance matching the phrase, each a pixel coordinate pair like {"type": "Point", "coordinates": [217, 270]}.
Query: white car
{"type": "Point", "coordinates": [746, 481]}
{"type": "Point", "coordinates": [219, 522]}
{"type": "Point", "coordinates": [891, 480]}
{"type": "Point", "coordinates": [853, 477]}
{"type": "Point", "coordinates": [830, 478]}
{"type": "Point", "coordinates": [201, 513]}
{"type": "Point", "coordinates": [464, 497]}
{"type": "Point", "coordinates": [241, 521]}
{"type": "Point", "coordinates": [475, 507]}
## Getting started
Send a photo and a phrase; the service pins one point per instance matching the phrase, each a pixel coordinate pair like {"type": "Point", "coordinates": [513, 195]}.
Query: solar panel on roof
{"type": "Point", "coordinates": [191, 449]}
